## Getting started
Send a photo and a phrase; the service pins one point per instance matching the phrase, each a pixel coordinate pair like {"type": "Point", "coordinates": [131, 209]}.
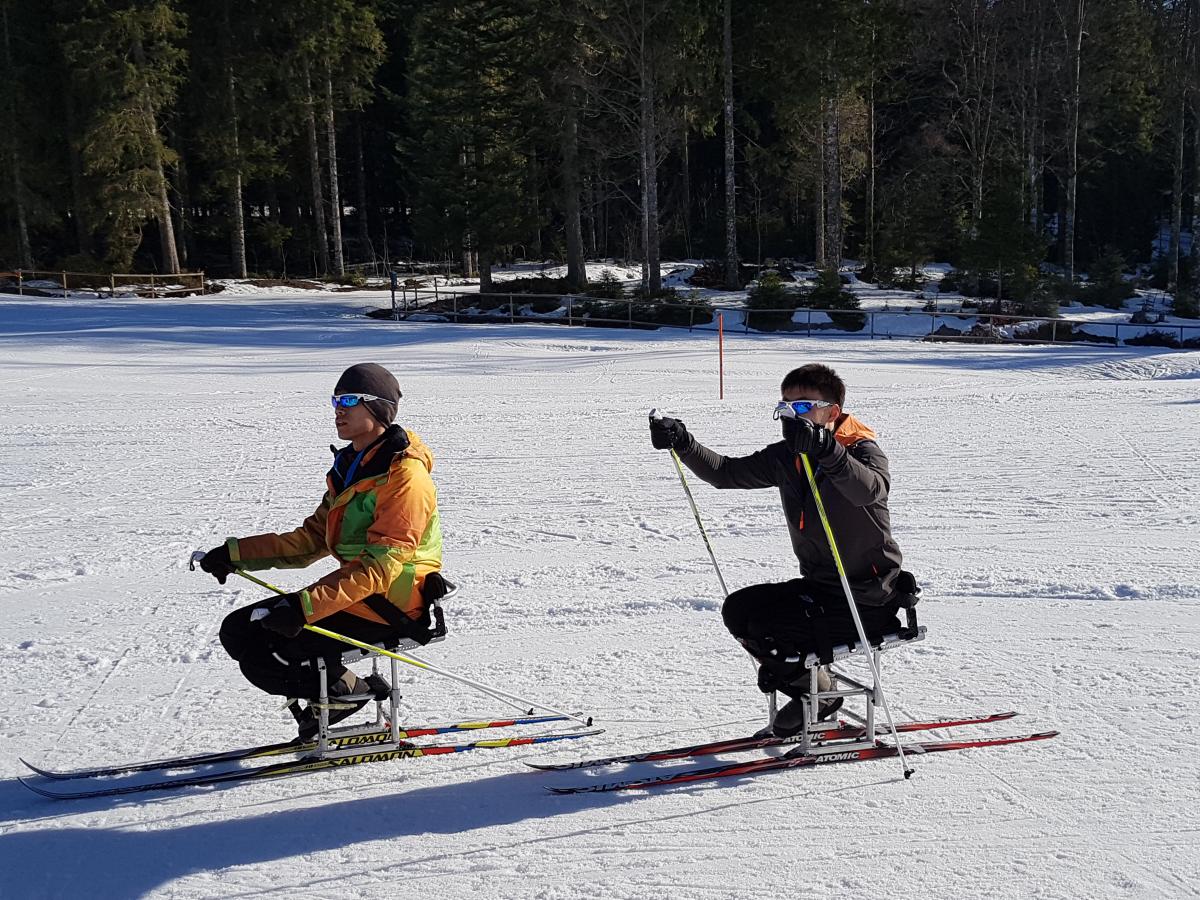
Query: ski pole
{"type": "Point", "coordinates": [655, 415]}
{"type": "Point", "coordinates": [413, 661]}
{"type": "Point", "coordinates": [862, 634]}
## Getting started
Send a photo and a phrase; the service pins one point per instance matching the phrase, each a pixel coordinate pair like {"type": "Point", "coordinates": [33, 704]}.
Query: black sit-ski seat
{"type": "Point", "coordinates": [820, 737]}
{"type": "Point", "coordinates": [411, 634]}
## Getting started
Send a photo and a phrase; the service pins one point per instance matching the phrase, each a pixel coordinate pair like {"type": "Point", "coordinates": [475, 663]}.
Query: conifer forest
{"type": "Point", "coordinates": [1034, 140]}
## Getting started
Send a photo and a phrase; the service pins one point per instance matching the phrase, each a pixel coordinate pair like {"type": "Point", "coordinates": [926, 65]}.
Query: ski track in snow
{"type": "Point", "coordinates": [1045, 497]}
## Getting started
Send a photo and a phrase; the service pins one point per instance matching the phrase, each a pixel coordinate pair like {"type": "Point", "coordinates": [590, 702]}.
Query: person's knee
{"type": "Point", "coordinates": [233, 635]}
{"type": "Point", "coordinates": [735, 612]}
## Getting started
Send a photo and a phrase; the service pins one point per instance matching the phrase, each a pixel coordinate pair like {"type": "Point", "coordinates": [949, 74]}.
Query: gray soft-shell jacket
{"type": "Point", "coordinates": [854, 483]}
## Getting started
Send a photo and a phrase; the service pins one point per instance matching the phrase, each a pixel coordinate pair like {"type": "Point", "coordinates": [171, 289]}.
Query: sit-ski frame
{"type": "Point", "coordinates": [811, 743]}
{"type": "Point", "coordinates": [354, 655]}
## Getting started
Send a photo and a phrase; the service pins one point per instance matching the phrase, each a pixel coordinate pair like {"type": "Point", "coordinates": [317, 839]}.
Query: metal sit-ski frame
{"type": "Point", "coordinates": [818, 738]}
{"type": "Point", "coordinates": [391, 720]}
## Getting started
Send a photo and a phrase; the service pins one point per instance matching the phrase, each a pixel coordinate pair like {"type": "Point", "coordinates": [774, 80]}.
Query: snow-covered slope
{"type": "Point", "coordinates": [1045, 496]}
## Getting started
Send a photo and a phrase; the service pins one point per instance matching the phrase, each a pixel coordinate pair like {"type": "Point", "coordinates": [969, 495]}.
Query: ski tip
{"type": "Point", "coordinates": [37, 770]}
{"type": "Point", "coordinates": [41, 791]}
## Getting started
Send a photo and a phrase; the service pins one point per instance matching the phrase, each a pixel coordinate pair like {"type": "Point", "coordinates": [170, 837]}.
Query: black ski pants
{"type": "Point", "coordinates": [778, 620]}
{"type": "Point", "coordinates": [286, 666]}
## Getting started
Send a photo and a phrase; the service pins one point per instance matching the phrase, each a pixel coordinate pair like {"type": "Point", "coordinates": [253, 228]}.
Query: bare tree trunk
{"type": "Point", "coordinates": [182, 209]}
{"type": "Point", "coordinates": [83, 230]}
{"type": "Point", "coordinates": [833, 181]}
{"type": "Point", "coordinates": [237, 223]}
{"type": "Point", "coordinates": [166, 228]}
{"type": "Point", "coordinates": [1195, 223]}
{"type": "Point", "coordinates": [1176, 194]}
{"type": "Point", "coordinates": [1032, 116]}
{"type": "Point", "coordinates": [871, 175]}
{"type": "Point", "coordinates": [651, 264]}
{"type": "Point", "coordinates": [314, 168]}
{"type": "Point", "coordinates": [685, 162]}
{"type": "Point", "coordinates": [576, 266]}
{"type": "Point", "coordinates": [819, 204]}
{"type": "Point", "coordinates": [1075, 57]}
{"type": "Point", "coordinates": [24, 252]}
{"type": "Point", "coordinates": [470, 251]}
{"type": "Point", "coordinates": [593, 212]}
{"type": "Point", "coordinates": [360, 183]}
{"type": "Point", "coordinates": [731, 250]}
{"type": "Point", "coordinates": [485, 270]}
{"type": "Point", "coordinates": [335, 197]}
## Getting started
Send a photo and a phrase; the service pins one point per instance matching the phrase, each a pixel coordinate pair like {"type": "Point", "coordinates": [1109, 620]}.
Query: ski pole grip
{"type": "Point", "coordinates": [196, 556]}
{"type": "Point", "coordinates": [655, 415]}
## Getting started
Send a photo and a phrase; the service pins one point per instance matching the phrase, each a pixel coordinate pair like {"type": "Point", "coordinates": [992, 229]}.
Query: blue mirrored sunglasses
{"type": "Point", "coordinates": [347, 400]}
{"type": "Point", "coordinates": [793, 409]}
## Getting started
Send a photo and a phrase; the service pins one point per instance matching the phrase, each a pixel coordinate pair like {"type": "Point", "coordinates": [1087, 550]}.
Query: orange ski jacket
{"type": "Point", "coordinates": [383, 529]}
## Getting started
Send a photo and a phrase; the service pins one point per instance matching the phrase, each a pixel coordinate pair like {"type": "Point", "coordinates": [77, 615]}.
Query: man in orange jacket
{"type": "Point", "coordinates": [378, 519]}
{"type": "Point", "coordinates": [779, 621]}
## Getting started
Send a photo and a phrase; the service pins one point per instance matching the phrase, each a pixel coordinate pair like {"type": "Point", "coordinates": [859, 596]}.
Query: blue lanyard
{"type": "Point", "coordinates": [349, 479]}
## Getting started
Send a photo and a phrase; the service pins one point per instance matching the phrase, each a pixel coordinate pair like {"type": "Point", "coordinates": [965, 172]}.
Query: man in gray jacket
{"type": "Point", "coordinates": [809, 614]}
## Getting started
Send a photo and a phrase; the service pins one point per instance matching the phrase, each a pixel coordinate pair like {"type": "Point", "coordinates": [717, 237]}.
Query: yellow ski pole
{"type": "Point", "coordinates": [420, 664]}
{"type": "Point", "coordinates": [862, 634]}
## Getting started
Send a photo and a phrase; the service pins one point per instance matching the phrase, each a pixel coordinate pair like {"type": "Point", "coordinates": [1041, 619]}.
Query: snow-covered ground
{"type": "Point", "coordinates": [1045, 496]}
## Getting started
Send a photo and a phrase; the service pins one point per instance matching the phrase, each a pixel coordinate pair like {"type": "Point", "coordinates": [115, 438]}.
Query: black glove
{"type": "Point", "coordinates": [669, 434]}
{"type": "Point", "coordinates": [285, 618]}
{"type": "Point", "coordinates": [216, 563]}
{"type": "Point", "coordinates": [804, 437]}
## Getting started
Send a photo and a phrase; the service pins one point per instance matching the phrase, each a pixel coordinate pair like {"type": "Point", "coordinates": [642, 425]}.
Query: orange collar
{"type": "Point", "coordinates": [850, 431]}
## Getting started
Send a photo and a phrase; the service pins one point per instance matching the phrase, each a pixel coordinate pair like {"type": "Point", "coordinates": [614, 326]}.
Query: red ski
{"type": "Point", "coordinates": [777, 763]}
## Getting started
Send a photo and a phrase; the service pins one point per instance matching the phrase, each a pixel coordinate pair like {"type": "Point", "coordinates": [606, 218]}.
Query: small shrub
{"type": "Point", "coordinates": [771, 293]}
{"type": "Point", "coordinates": [352, 279]}
{"type": "Point", "coordinates": [607, 286]}
{"type": "Point", "coordinates": [488, 302]}
{"type": "Point", "coordinates": [666, 294]}
{"type": "Point", "coordinates": [598, 309]}
{"type": "Point", "coordinates": [711, 274]}
{"type": "Point", "coordinates": [1154, 338]}
{"type": "Point", "coordinates": [82, 262]}
{"type": "Point", "coordinates": [828, 295]}
{"type": "Point", "coordinates": [777, 301]}
{"type": "Point", "coordinates": [1043, 301]}
{"type": "Point", "coordinates": [680, 311]}
{"type": "Point", "coordinates": [533, 286]}
{"type": "Point", "coordinates": [1186, 305]}
{"type": "Point", "coordinates": [1107, 286]}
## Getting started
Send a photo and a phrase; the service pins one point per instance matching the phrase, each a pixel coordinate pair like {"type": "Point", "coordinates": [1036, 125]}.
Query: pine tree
{"type": "Point", "coordinates": [125, 62]}
{"type": "Point", "coordinates": [471, 98]}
